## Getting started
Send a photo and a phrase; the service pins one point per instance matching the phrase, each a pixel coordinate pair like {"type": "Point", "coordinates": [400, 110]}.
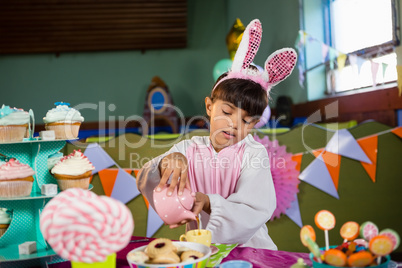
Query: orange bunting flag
{"type": "Point", "coordinates": [397, 131]}
{"type": "Point", "coordinates": [136, 172]}
{"type": "Point", "coordinates": [297, 158]}
{"type": "Point", "coordinates": [146, 202]}
{"type": "Point", "coordinates": [332, 162]}
{"type": "Point", "coordinates": [108, 178]}
{"type": "Point", "coordinates": [90, 178]}
{"type": "Point", "coordinates": [369, 146]}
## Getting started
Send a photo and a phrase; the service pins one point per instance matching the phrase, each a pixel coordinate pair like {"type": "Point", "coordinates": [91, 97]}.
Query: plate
{"type": "Point", "coordinates": [214, 250]}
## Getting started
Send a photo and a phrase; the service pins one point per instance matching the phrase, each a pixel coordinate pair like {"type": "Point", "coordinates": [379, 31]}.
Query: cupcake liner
{"type": "Point", "coordinates": [12, 133]}
{"type": "Point", "coordinates": [64, 130]}
{"type": "Point", "coordinates": [15, 188]}
{"type": "Point", "coordinates": [3, 229]}
{"type": "Point", "coordinates": [65, 184]}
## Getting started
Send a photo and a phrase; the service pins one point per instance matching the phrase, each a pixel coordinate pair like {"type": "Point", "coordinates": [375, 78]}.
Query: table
{"type": "Point", "coordinates": [262, 258]}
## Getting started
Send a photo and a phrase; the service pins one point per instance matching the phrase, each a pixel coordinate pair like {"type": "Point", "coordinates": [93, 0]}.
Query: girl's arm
{"type": "Point", "coordinates": [237, 218]}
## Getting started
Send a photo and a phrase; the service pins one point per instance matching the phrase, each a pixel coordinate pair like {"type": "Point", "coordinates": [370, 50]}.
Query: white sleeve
{"type": "Point", "coordinates": [149, 176]}
{"type": "Point", "coordinates": [237, 218]}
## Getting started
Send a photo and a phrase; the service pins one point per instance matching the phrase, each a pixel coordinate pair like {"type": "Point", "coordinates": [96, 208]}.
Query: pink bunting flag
{"type": "Point", "coordinates": [374, 71]}
{"type": "Point", "coordinates": [324, 51]}
{"type": "Point", "coordinates": [343, 143]}
{"type": "Point", "coordinates": [125, 187]}
{"type": "Point", "coordinates": [98, 157]}
{"type": "Point", "coordinates": [317, 175]}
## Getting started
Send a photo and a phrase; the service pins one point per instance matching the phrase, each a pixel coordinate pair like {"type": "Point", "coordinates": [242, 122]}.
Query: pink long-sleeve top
{"type": "Point", "coordinates": [239, 184]}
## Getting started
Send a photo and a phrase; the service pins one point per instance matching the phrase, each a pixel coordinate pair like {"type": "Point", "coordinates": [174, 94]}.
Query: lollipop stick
{"type": "Point", "coordinates": [326, 240]}
{"type": "Point", "coordinates": [378, 260]}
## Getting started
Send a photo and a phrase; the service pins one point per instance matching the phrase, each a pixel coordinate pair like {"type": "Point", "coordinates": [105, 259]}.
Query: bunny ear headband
{"type": "Point", "coordinates": [278, 66]}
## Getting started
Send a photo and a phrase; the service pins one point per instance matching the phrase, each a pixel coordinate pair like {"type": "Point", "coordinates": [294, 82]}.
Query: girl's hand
{"type": "Point", "coordinates": [174, 164]}
{"type": "Point", "coordinates": [201, 203]}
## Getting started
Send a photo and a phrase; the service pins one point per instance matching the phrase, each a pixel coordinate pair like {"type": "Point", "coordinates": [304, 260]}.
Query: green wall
{"type": "Point", "coordinates": [100, 79]}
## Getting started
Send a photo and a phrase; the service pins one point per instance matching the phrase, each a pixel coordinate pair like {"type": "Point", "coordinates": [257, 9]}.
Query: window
{"type": "Point", "coordinates": [360, 36]}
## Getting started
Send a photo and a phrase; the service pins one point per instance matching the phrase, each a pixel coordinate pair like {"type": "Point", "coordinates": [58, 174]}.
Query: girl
{"type": "Point", "coordinates": [228, 171]}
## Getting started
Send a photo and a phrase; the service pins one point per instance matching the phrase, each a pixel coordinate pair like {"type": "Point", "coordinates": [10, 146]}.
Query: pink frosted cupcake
{"type": "Point", "coordinates": [13, 124]}
{"type": "Point", "coordinates": [15, 179]}
{"type": "Point", "coordinates": [64, 121]}
{"type": "Point", "coordinates": [73, 171]}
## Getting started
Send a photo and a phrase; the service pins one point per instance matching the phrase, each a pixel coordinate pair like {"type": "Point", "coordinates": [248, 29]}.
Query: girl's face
{"type": "Point", "coordinates": [229, 124]}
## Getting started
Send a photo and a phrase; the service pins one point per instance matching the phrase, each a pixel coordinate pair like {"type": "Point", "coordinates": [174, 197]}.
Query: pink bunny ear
{"type": "Point", "coordinates": [280, 65]}
{"type": "Point", "coordinates": [248, 47]}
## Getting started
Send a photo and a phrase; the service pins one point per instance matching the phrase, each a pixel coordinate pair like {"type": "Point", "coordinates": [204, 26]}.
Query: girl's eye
{"type": "Point", "coordinates": [225, 112]}
{"type": "Point", "coordinates": [246, 122]}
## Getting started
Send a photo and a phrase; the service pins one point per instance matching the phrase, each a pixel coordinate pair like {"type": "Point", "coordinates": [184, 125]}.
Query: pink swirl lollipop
{"type": "Point", "coordinates": [83, 227]}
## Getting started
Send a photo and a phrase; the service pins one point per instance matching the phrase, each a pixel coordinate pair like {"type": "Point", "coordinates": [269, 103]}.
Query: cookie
{"type": "Point", "coordinates": [168, 258]}
{"type": "Point", "coordinates": [159, 246]}
{"type": "Point", "coordinates": [191, 255]}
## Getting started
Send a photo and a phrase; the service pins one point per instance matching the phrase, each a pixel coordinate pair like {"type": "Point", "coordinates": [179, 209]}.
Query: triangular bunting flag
{"type": "Point", "coordinates": [90, 178]}
{"type": "Point", "coordinates": [324, 52]}
{"type": "Point", "coordinates": [146, 202]}
{"type": "Point", "coordinates": [341, 61]}
{"type": "Point", "coordinates": [374, 71]}
{"type": "Point", "coordinates": [353, 61]}
{"type": "Point", "coordinates": [99, 158]}
{"type": "Point", "coordinates": [333, 163]}
{"type": "Point", "coordinates": [154, 222]}
{"type": "Point", "coordinates": [293, 212]}
{"type": "Point", "coordinates": [108, 178]}
{"type": "Point", "coordinates": [297, 158]}
{"type": "Point", "coordinates": [136, 172]}
{"type": "Point", "coordinates": [360, 61]}
{"type": "Point", "coordinates": [344, 144]}
{"type": "Point", "coordinates": [318, 176]}
{"type": "Point", "coordinates": [397, 131]}
{"type": "Point", "coordinates": [370, 147]}
{"type": "Point", "coordinates": [384, 69]}
{"type": "Point", "coordinates": [125, 187]}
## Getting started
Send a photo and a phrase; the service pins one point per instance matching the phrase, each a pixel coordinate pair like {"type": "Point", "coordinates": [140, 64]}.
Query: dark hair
{"type": "Point", "coordinates": [243, 93]}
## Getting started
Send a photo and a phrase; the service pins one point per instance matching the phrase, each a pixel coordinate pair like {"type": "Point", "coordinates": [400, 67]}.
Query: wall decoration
{"type": "Point", "coordinates": [159, 106]}
{"type": "Point", "coordinates": [284, 175]}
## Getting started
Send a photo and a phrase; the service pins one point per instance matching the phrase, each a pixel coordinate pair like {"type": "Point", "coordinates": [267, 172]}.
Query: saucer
{"type": "Point", "coordinates": [214, 250]}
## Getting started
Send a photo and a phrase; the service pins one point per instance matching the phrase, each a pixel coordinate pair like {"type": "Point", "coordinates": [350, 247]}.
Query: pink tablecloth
{"type": "Point", "coordinates": [263, 258]}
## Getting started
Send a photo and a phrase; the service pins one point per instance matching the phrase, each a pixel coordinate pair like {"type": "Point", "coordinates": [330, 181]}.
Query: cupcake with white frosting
{"type": "Point", "coordinates": [73, 171]}
{"type": "Point", "coordinates": [5, 220]}
{"type": "Point", "coordinates": [64, 121]}
{"type": "Point", "coordinates": [13, 124]}
{"type": "Point", "coordinates": [15, 179]}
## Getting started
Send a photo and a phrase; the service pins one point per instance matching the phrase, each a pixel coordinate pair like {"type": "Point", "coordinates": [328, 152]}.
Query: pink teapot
{"type": "Point", "coordinates": [174, 209]}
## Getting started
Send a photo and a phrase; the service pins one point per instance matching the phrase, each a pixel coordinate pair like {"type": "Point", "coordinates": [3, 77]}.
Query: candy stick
{"type": "Point", "coordinates": [313, 247]}
{"type": "Point", "coordinates": [325, 220]}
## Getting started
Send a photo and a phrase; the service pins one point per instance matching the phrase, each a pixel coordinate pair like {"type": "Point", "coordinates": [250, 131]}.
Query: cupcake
{"type": "Point", "coordinates": [5, 220]}
{"type": "Point", "coordinates": [15, 179]}
{"type": "Point", "coordinates": [73, 171]}
{"type": "Point", "coordinates": [13, 124]}
{"type": "Point", "coordinates": [64, 121]}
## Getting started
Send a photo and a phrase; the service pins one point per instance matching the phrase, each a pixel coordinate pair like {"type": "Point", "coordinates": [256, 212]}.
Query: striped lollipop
{"type": "Point", "coordinates": [83, 227]}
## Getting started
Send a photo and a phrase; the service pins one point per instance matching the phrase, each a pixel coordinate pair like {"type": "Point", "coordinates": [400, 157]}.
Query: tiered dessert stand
{"type": "Point", "coordinates": [26, 211]}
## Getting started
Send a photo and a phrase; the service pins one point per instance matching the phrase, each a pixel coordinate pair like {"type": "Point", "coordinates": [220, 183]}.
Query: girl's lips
{"type": "Point", "coordinates": [228, 135]}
